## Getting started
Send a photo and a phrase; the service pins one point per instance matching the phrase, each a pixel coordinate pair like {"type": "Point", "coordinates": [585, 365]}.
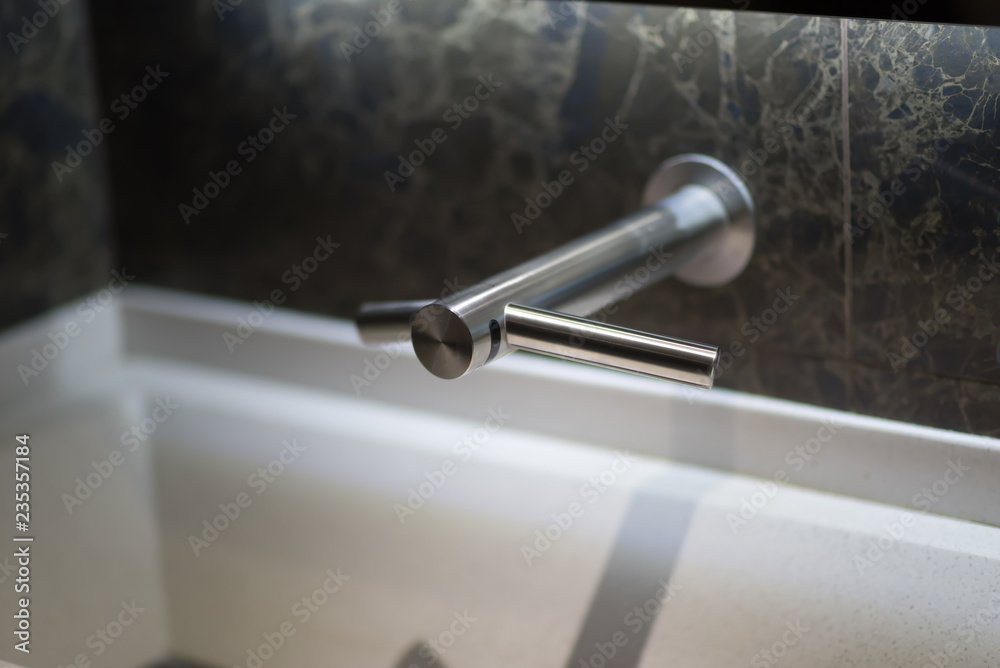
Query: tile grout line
{"type": "Point", "coordinates": [848, 250]}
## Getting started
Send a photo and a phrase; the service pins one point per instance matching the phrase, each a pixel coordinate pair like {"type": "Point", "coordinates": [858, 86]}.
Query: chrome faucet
{"type": "Point", "coordinates": [698, 225]}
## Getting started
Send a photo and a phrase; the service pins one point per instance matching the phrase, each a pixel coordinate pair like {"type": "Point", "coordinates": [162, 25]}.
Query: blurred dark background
{"type": "Point", "coordinates": [853, 105]}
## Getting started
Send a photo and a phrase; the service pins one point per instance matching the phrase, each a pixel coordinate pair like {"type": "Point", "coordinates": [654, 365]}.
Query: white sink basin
{"type": "Point", "coordinates": [535, 513]}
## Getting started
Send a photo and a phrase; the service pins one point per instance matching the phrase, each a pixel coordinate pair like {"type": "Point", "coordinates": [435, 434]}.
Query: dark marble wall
{"type": "Point", "coordinates": [925, 181]}
{"type": "Point", "coordinates": [821, 116]}
{"type": "Point", "coordinates": [55, 243]}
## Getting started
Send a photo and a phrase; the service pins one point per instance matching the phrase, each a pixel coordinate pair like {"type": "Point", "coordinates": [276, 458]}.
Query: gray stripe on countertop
{"type": "Point", "coordinates": [420, 655]}
{"type": "Point", "coordinates": [637, 575]}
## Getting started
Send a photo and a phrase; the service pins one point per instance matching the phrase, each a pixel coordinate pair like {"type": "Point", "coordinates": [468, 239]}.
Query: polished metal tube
{"type": "Point", "coordinates": [387, 322]}
{"type": "Point", "coordinates": [460, 333]}
{"type": "Point", "coordinates": [600, 344]}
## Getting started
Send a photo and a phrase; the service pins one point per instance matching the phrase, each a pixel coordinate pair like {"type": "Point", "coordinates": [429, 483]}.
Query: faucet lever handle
{"type": "Point", "coordinates": [580, 340]}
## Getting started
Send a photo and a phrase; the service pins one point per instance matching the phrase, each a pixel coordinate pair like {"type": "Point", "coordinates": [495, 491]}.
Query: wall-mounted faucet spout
{"type": "Point", "coordinates": [697, 225]}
